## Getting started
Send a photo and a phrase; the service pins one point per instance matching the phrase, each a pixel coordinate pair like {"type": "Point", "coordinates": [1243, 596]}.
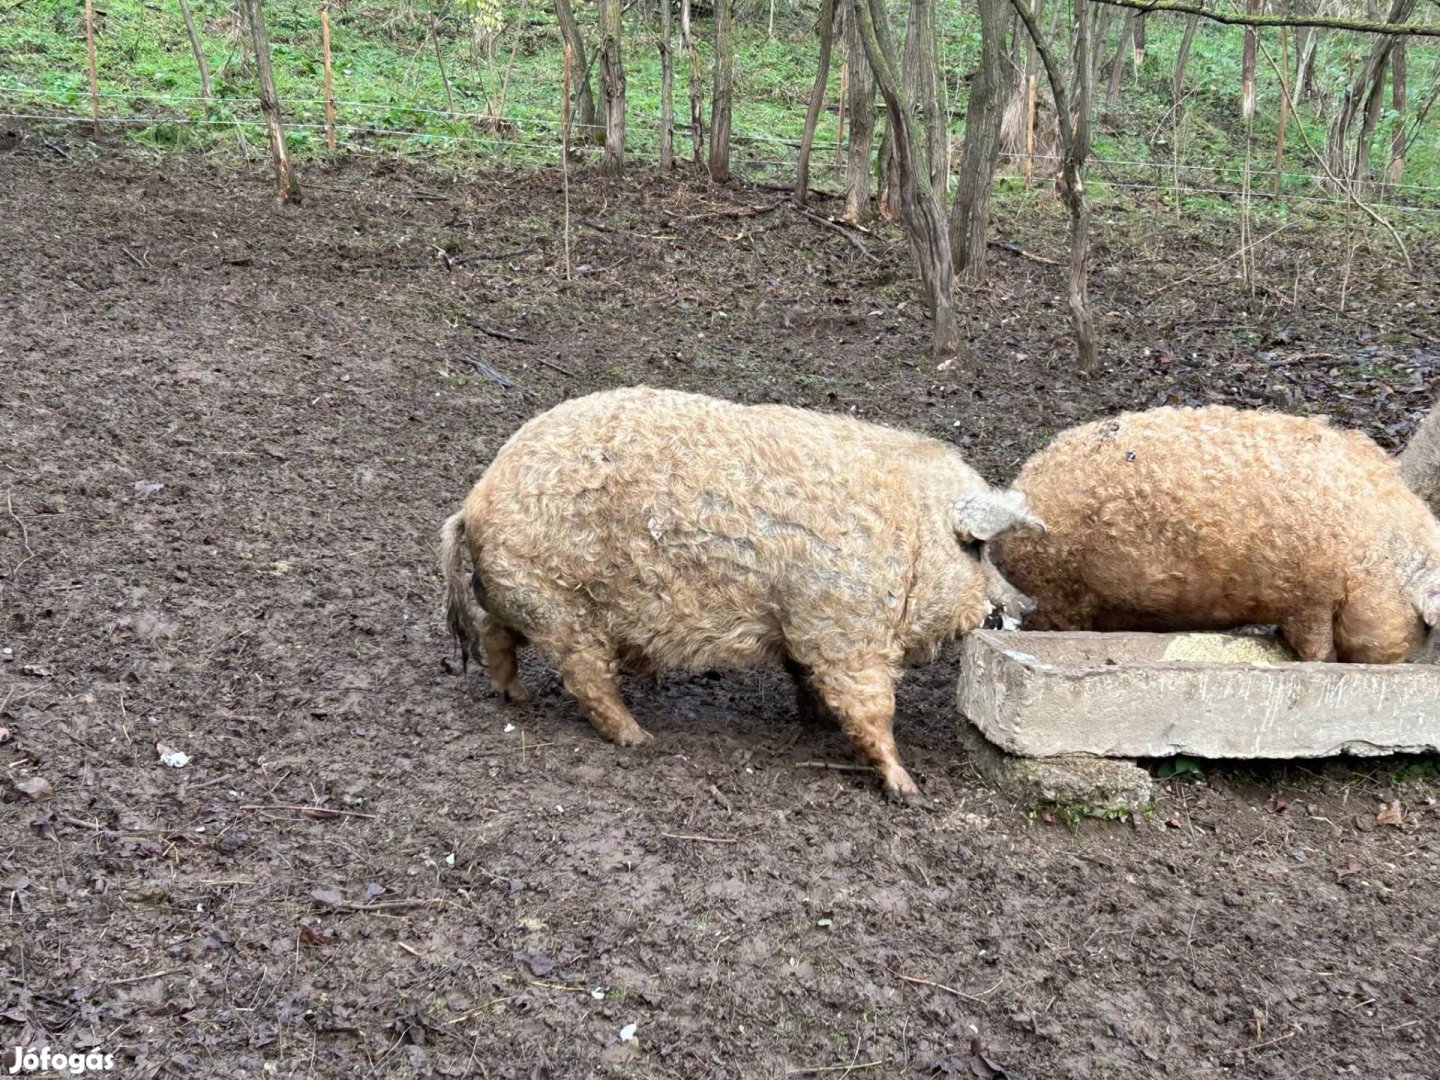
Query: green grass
{"type": "Point", "coordinates": [390, 91]}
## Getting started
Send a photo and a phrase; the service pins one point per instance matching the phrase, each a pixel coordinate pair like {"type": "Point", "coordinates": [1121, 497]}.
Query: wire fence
{"type": "Point", "coordinates": [520, 138]}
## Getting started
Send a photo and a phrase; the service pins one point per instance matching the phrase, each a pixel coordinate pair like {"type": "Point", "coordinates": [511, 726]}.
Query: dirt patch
{"type": "Point", "coordinates": [229, 435]}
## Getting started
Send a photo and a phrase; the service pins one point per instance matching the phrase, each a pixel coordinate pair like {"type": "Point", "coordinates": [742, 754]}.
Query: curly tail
{"type": "Point", "coordinates": [460, 608]}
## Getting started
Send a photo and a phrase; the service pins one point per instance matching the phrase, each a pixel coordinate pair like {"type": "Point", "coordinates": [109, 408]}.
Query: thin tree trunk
{"type": "Point", "coordinates": [565, 147]}
{"type": "Point", "coordinates": [199, 51]}
{"type": "Point", "coordinates": [720, 93]}
{"type": "Point", "coordinates": [697, 92]}
{"type": "Point", "coordinates": [1139, 41]}
{"type": "Point", "coordinates": [1072, 178]}
{"type": "Point", "coordinates": [858, 205]}
{"type": "Point", "coordinates": [1362, 98]}
{"type": "Point", "coordinates": [817, 100]}
{"type": "Point", "coordinates": [1074, 122]}
{"type": "Point", "coordinates": [840, 110]}
{"type": "Point", "coordinates": [1177, 77]}
{"type": "Point", "coordinates": [329, 84]}
{"type": "Point", "coordinates": [612, 86]}
{"type": "Point", "coordinates": [440, 63]}
{"type": "Point", "coordinates": [287, 184]}
{"type": "Point", "coordinates": [970, 216]}
{"type": "Point", "coordinates": [94, 74]}
{"type": "Point", "coordinates": [923, 213]}
{"type": "Point", "coordinates": [1247, 67]}
{"type": "Point", "coordinates": [1398, 76]}
{"type": "Point", "coordinates": [926, 90]}
{"type": "Point", "coordinates": [1100, 22]}
{"type": "Point", "coordinates": [667, 92]}
{"type": "Point", "coordinates": [887, 171]}
{"type": "Point", "coordinates": [584, 100]}
{"type": "Point", "coordinates": [1305, 54]}
{"type": "Point", "coordinates": [1123, 52]}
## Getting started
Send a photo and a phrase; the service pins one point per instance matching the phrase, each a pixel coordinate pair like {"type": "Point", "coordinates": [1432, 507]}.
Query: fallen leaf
{"type": "Point", "coordinates": [315, 935]}
{"type": "Point", "coordinates": [38, 671]}
{"type": "Point", "coordinates": [1391, 815]}
{"type": "Point", "coordinates": [327, 897]}
{"type": "Point", "coordinates": [1276, 804]}
{"type": "Point", "coordinates": [540, 965]}
{"type": "Point", "coordinates": [36, 788]}
{"type": "Point", "coordinates": [372, 891]}
{"type": "Point", "coordinates": [147, 487]}
{"type": "Point", "coordinates": [1353, 868]}
{"type": "Point", "coordinates": [627, 1033]}
{"type": "Point", "coordinates": [983, 1067]}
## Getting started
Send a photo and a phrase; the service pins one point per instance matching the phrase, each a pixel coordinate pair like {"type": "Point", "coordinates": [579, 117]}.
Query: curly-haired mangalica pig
{"type": "Point", "coordinates": [651, 529]}
{"type": "Point", "coordinates": [1198, 519]}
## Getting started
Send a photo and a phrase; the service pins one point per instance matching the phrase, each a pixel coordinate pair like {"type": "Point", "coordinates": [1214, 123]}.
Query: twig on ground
{"type": "Point", "coordinates": [1237, 253]}
{"type": "Point", "coordinates": [490, 373]}
{"type": "Point", "coordinates": [554, 366]}
{"type": "Point", "coordinates": [834, 1068]}
{"type": "Point", "coordinates": [834, 765]}
{"type": "Point", "coordinates": [323, 811]}
{"type": "Point", "coordinates": [1016, 249]}
{"type": "Point", "coordinates": [837, 227]}
{"type": "Point", "coordinates": [700, 839]}
{"type": "Point", "coordinates": [499, 335]}
{"type": "Point", "coordinates": [24, 538]}
{"type": "Point", "coordinates": [950, 989]}
{"type": "Point", "coordinates": [149, 975]}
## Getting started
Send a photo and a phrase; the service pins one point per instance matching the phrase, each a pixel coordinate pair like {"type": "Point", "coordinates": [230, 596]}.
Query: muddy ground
{"type": "Point", "coordinates": [228, 434]}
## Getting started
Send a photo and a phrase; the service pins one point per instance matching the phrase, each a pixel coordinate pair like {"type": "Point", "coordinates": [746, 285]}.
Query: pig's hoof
{"type": "Point", "coordinates": [517, 693]}
{"type": "Point", "coordinates": [635, 736]}
{"type": "Point", "coordinates": [912, 799]}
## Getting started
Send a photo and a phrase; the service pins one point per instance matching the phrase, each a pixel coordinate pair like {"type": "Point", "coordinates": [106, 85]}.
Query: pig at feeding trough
{"type": "Point", "coordinates": [1212, 518]}
{"type": "Point", "coordinates": [651, 530]}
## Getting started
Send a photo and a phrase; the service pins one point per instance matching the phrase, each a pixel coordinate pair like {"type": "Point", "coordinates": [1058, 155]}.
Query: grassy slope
{"type": "Point", "coordinates": [387, 76]}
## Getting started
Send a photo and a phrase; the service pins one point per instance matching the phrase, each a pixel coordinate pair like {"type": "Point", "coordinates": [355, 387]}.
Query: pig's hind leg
{"type": "Point", "coordinates": [590, 671]}
{"type": "Point", "coordinates": [808, 705]}
{"type": "Point", "coordinates": [501, 663]}
{"type": "Point", "coordinates": [862, 697]}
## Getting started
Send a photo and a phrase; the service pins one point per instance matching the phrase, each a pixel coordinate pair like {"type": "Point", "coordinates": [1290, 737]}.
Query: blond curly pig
{"type": "Point", "coordinates": [1197, 519]}
{"type": "Point", "coordinates": [649, 530]}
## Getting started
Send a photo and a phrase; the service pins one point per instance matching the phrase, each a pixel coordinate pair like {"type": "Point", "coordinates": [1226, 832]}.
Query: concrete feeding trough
{"type": "Point", "coordinates": [1130, 695]}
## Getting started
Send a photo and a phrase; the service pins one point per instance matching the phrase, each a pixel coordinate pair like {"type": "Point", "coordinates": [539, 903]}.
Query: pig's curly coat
{"type": "Point", "coordinates": [1192, 519]}
{"type": "Point", "coordinates": [652, 529]}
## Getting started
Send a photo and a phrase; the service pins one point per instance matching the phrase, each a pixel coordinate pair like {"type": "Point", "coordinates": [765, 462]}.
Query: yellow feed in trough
{"type": "Point", "coordinates": [1228, 649]}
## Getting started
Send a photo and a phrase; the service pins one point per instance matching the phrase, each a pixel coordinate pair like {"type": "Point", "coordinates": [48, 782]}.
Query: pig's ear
{"type": "Point", "coordinates": [984, 515]}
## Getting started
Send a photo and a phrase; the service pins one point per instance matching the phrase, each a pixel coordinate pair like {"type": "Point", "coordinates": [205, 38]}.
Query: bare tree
{"type": "Point", "coordinates": [583, 97]}
{"type": "Point", "coordinates": [1074, 121]}
{"type": "Point", "coordinates": [970, 215]}
{"type": "Point", "coordinates": [199, 52]}
{"type": "Point", "coordinates": [720, 92]}
{"type": "Point", "coordinates": [1398, 77]}
{"type": "Point", "coordinates": [1362, 99]}
{"type": "Point", "coordinates": [862, 119]}
{"type": "Point", "coordinates": [817, 100]}
{"type": "Point", "coordinates": [1182, 57]}
{"type": "Point", "coordinates": [90, 63]}
{"type": "Point", "coordinates": [667, 91]}
{"type": "Point", "coordinates": [288, 185]}
{"type": "Point", "coordinates": [612, 87]}
{"type": "Point", "coordinates": [697, 92]}
{"type": "Point", "coordinates": [922, 209]}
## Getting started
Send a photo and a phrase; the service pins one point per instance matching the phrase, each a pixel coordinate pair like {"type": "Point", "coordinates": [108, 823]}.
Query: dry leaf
{"type": "Point", "coordinates": [1391, 815]}
{"type": "Point", "coordinates": [36, 788]}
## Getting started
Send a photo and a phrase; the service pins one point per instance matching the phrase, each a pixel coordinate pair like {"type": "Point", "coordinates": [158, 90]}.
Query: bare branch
{"type": "Point", "coordinates": [1363, 26]}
